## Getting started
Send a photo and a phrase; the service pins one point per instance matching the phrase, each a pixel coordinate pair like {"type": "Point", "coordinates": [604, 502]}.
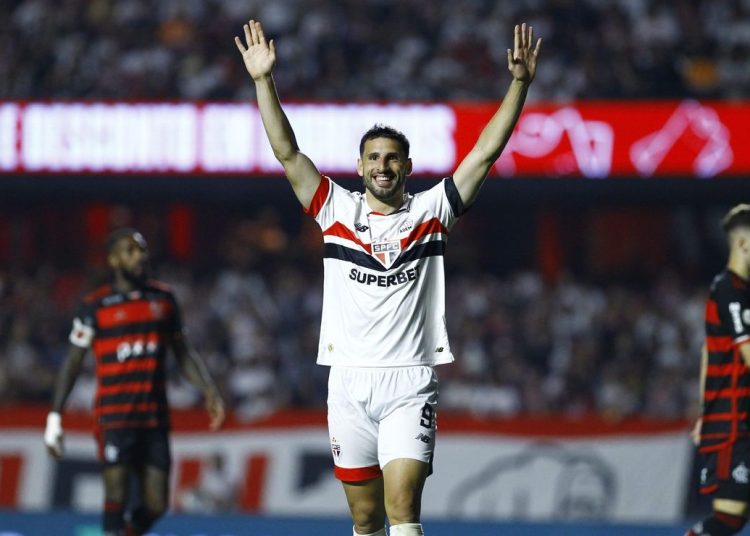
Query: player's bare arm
{"type": "Point", "coordinates": [259, 56]}
{"type": "Point", "coordinates": [193, 368]}
{"type": "Point", "coordinates": [522, 60]}
{"type": "Point", "coordinates": [53, 433]}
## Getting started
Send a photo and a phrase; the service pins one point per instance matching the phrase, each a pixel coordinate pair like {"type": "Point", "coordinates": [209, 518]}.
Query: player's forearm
{"type": "Point", "coordinates": [195, 371]}
{"type": "Point", "coordinates": [497, 132]}
{"type": "Point", "coordinates": [277, 126]}
{"type": "Point", "coordinates": [66, 379]}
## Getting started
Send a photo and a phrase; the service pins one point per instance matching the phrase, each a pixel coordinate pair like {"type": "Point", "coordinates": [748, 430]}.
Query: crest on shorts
{"type": "Point", "coordinates": [111, 452]}
{"type": "Point", "coordinates": [386, 252]}
{"type": "Point", "coordinates": [335, 448]}
{"type": "Point", "coordinates": [741, 474]}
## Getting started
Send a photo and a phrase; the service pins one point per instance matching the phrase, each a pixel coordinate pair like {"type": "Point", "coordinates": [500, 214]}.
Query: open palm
{"type": "Point", "coordinates": [259, 55]}
{"type": "Point", "coordinates": [522, 60]}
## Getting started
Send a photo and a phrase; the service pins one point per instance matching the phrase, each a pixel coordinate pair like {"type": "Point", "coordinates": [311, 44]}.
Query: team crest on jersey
{"type": "Point", "coordinates": [386, 252]}
{"type": "Point", "coordinates": [157, 309]}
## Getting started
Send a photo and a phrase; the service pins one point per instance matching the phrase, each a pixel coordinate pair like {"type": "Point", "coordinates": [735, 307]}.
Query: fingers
{"type": "Point", "coordinates": [248, 36]}
{"type": "Point", "coordinates": [529, 38]}
{"type": "Point", "coordinates": [537, 47]}
{"type": "Point", "coordinates": [261, 35]}
{"type": "Point", "coordinates": [240, 47]}
{"type": "Point", "coordinates": [254, 32]}
{"type": "Point", "coordinates": [516, 42]}
{"type": "Point", "coordinates": [55, 450]}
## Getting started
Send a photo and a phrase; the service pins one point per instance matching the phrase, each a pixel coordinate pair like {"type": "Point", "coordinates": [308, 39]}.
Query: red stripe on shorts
{"type": "Point", "coordinates": [357, 474]}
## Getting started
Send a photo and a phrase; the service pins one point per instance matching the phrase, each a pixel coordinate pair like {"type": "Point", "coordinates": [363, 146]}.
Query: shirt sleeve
{"type": "Point", "coordinates": [734, 310]}
{"type": "Point", "coordinates": [84, 326]}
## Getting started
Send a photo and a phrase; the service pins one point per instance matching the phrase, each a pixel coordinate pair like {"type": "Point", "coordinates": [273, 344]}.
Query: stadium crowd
{"type": "Point", "coordinates": [373, 49]}
{"type": "Point", "coordinates": [524, 343]}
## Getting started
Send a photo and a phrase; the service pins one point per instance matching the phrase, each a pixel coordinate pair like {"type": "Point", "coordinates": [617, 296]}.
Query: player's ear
{"type": "Point", "coordinates": [408, 166]}
{"type": "Point", "coordinates": [360, 168]}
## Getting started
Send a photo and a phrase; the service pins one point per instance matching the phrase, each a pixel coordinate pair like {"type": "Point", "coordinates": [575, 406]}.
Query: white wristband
{"type": "Point", "coordinates": [54, 420]}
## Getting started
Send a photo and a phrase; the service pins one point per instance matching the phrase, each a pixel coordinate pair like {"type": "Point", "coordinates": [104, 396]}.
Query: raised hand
{"type": "Point", "coordinates": [216, 411]}
{"type": "Point", "coordinates": [522, 60]}
{"type": "Point", "coordinates": [259, 55]}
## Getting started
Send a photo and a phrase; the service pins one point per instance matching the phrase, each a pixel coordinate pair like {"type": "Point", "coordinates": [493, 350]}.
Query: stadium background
{"type": "Point", "coordinates": [575, 296]}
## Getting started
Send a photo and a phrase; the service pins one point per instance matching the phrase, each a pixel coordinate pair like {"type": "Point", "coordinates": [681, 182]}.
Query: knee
{"type": "Point", "coordinates": [156, 509]}
{"type": "Point", "coordinates": [367, 515]}
{"type": "Point", "coordinates": [402, 507]}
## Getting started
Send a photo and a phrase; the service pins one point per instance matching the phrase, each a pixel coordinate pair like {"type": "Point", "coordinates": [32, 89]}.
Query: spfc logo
{"type": "Point", "coordinates": [386, 252]}
{"type": "Point", "coordinates": [335, 448]}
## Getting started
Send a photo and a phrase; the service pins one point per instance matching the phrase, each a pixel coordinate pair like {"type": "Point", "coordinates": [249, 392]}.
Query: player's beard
{"type": "Point", "coordinates": [137, 277]}
{"type": "Point", "coordinates": [385, 194]}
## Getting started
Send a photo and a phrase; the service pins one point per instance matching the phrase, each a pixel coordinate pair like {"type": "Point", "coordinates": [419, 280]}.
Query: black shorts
{"type": "Point", "coordinates": [135, 446]}
{"type": "Point", "coordinates": [726, 472]}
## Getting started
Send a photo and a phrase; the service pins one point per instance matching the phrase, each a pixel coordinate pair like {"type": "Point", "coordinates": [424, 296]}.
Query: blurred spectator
{"type": "Point", "coordinates": [215, 491]}
{"type": "Point", "coordinates": [372, 49]}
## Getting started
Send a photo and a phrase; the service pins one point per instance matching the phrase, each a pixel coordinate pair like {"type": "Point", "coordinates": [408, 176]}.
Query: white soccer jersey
{"type": "Point", "coordinates": [384, 281]}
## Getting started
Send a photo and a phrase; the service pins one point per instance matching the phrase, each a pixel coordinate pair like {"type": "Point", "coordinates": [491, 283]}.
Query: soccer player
{"type": "Point", "coordinates": [130, 324]}
{"type": "Point", "coordinates": [383, 321]}
{"type": "Point", "coordinates": [723, 431]}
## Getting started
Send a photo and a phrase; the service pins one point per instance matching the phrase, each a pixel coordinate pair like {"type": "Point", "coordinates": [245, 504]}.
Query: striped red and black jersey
{"type": "Point", "coordinates": [129, 334]}
{"type": "Point", "coordinates": [726, 396]}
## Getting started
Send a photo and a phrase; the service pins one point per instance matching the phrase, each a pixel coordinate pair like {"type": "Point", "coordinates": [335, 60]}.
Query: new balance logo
{"type": "Point", "coordinates": [423, 438]}
{"type": "Point", "coordinates": [361, 228]}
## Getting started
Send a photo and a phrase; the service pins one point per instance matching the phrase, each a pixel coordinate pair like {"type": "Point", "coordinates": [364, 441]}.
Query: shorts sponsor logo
{"type": "Point", "coordinates": [423, 438]}
{"type": "Point", "coordinates": [384, 280]}
{"type": "Point", "coordinates": [740, 474]}
{"type": "Point", "coordinates": [406, 227]}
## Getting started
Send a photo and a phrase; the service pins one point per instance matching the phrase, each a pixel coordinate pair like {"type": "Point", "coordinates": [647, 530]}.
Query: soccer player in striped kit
{"type": "Point", "coordinates": [723, 431]}
{"type": "Point", "coordinates": [130, 325]}
{"type": "Point", "coordinates": [383, 323]}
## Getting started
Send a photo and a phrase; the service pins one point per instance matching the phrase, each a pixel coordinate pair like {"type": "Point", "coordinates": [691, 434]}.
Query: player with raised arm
{"type": "Point", "coordinates": [383, 322]}
{"type": "Point", "coordinates": [130, 325]}
{"type": "Point", "coordinates": [723, 431]}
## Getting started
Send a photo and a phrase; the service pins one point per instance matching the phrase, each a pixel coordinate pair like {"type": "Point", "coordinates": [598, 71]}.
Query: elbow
{"type": "Point", "coordinates": [284, 156]}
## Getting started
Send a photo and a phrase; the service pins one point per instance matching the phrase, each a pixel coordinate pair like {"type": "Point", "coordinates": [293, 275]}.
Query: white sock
{"type": "Point", "coordinates": [407, 529]}
{"type": "Point", "coordinates": [380, 532]}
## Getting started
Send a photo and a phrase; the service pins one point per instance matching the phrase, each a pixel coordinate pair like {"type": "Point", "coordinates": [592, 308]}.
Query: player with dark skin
{"type": "Point", "coordinates": [384, 166]}
{"type": "Point", "coordinates": [128, 259]}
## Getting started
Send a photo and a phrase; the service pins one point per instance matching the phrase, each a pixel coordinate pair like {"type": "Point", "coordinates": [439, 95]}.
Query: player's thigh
{"type": "Point", "coordinates": [116, 480]}
{"type": "Point", "coordinates": [365, 500]}
{"type": "Point", "coordinates": [154, 469]}
{"type": "Point", "coordinates": [154, 488]}
{"type": "Point", "coordinates": [403, 482]}
{"type": "Point", "coordinates": [408, 429]}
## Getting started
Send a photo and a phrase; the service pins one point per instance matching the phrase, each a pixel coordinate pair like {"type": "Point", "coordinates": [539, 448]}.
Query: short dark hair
{"type": "Point", "coordinates": [738, 216]}
{"type": "Point", "coordinates": [123, 232]}
{"type": "Point", "coordinates": [383, 131]}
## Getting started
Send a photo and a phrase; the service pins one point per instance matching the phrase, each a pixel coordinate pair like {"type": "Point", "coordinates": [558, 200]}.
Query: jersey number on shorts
{"type": "Point", "coordinates": [428, 417]}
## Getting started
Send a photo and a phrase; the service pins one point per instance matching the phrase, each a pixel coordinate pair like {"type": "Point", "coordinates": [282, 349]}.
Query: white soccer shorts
{"type": "Point", "coordinates": [376, 415]}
